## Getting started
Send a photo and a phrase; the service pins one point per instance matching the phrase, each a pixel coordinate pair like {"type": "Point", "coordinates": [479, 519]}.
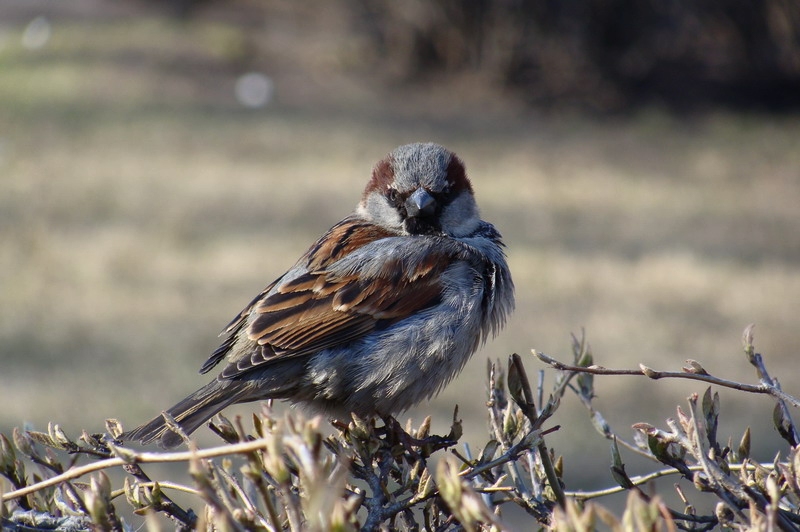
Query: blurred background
{"type": "Point", "coordinates": [161, 162]}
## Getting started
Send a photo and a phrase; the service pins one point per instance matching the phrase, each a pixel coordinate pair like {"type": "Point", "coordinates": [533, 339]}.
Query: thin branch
{"type": "Point", "coordinates": [143, 458]}
{"type": "Point", "coordinates": [644, 479]}
{"type": "Point", "coordinates": [528, 408]}
{"type": "Point", "coordinates": [186, 520]}
{"type": "Point", "coordinates": [653, 374]}
{"type": "Point", "coordinates": [167, 484]}
{"type": "Point", "coordinates": [525, 444]}
{"type": "Point", "coordinates": [496, 425]}
{"type": "Point", "coordinates": [235, 487]}
{"type": "Point", "coordinates": [787, 432]}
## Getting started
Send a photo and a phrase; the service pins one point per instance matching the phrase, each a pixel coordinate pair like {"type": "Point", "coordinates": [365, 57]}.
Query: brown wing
{"type": "Point", "coordinates": [319, 309]}
{"type": "Point", "coordinates": [343, 238]}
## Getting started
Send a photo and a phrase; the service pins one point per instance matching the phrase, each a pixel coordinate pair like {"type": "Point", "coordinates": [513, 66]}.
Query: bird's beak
{"type": "Point", "coordinates": [420, 204]}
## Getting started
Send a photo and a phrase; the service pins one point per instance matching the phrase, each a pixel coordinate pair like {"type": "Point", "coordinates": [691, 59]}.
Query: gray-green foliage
{"type": "Point", "coordinates": [287, 474]}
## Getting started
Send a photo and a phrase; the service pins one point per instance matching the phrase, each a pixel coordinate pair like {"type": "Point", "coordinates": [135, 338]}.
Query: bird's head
{"type": "Point", "coordinates": [421, 189]}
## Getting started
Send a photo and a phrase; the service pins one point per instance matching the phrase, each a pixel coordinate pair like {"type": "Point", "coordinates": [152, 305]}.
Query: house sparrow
{"type": "Point", "coordinates": [379, 314]}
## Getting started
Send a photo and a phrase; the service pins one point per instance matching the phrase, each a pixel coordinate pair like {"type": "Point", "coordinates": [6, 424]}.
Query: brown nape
{"type": "Point", "coordinates": [457, 176]}
{"type": "Point", "coordinates": [382, 177]}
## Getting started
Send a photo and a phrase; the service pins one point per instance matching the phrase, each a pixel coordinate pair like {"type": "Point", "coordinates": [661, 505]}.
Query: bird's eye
{"type": "Point", "coordinates": [392, 195]}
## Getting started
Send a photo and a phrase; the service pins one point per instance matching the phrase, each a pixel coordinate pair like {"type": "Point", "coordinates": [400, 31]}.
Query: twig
{"type": "Point", "coordinates": [235, 487]}
{"type": "Point", "coordinates": [375, 503]}
{"type": "Point", "coordinates": [186, 520]}
{"type": "Point", "coordinates": [133, 457]}
{"type": "Point", "coordinates": [525, 444]}
{"type": "Point", "coordinates": [218, 499]}
{"type": "Point", "coordinates": [653, 374]}
{"type": "Point", "coordinates": [496, 425]}
{"type": "Point", "coordinates": [787, 430]}
{"type": "Point", "coordinates": [152, 484]}
{"type": "Point", "coordinates": [644, 479]}
{"type": "Point", "coordinates": [529, 409]}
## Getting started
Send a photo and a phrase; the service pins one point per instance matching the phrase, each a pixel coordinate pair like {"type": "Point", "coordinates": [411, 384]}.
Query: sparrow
{"type": "Point", "coordinates": [379, 314]}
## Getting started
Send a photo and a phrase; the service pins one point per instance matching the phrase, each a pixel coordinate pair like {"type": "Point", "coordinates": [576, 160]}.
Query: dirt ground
{"type": "Point", "coordinates": [142, 206]}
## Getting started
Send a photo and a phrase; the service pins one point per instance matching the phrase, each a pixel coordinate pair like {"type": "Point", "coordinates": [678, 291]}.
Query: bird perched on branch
{"type": "Point", "coordinates": [379, 314]}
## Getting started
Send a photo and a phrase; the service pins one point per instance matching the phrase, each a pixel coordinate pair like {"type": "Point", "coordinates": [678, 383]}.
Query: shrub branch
{"type": "Point", "coordinates": [687, 373]}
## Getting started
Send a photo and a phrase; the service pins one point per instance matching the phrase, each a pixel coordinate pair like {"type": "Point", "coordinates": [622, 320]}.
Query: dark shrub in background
{"type": "Point", "coordinates": [601, 54]}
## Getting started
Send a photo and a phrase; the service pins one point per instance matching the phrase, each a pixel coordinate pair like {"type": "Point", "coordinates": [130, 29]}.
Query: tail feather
{"type": "Point", "coordinates": [191, 413]}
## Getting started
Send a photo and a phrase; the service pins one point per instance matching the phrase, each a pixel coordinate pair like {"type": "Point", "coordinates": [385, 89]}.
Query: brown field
{"type": "Point", "coordinates": [141, 207]}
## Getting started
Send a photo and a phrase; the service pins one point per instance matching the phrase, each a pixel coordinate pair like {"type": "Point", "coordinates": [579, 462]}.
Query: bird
{"type": "Point", "coordinates": [380, 313]}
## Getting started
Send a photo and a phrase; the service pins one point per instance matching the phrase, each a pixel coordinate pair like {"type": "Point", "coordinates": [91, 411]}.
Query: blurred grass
{"type": "Point", "coordinates": [141, 208]}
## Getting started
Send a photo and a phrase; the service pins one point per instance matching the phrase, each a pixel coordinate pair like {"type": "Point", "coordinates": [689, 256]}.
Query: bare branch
{"type": "Point", "coordinates": [764, 388]}
{"type": "Point", "coordinates": [141, 458]}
